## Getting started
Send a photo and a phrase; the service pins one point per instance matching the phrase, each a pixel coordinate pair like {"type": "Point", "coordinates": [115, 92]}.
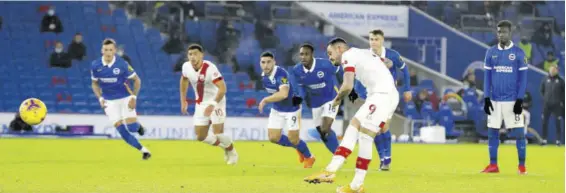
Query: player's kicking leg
{"type": "Point", "coordinates": [278, 120]}
{"type": "Point", "coordinates": [125, 121]}
{"type": "Point", "coordinates": [354, 133]}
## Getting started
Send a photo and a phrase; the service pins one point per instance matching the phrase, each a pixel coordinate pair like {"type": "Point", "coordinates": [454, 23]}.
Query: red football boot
{"type": "Point", "coordinates": [491, 168]}
{"type": "Point", "coordinates": [522, 170]}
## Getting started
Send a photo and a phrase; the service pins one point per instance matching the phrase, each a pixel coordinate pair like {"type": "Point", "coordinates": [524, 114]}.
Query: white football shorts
{"type": "Point", "coordinates": [503, 113]}
{"type": "Point", "coordinates": [118, 110]}
{"type": "Point", "coordinates": [377, 110]}
{"type": "Point", "coordinates": [218, 115]}
{"type": "Point", "coordinates": [325, 110]}
{"type": "Point", "coordinates": [280, 120]}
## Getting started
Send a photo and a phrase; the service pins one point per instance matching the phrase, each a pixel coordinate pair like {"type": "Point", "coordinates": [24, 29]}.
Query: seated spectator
{"type": "Point", "coordinates": [77, 49]}
{"type": "Point", "coordinates": [469, 82]}
{"type": "Point", "coordinates": [420, 99]}
{"type": "Point", "coordinates": [173, 45]}
{"type": "Point", "coordinates": [549, 61]}
{"type": "Point", "coordinates": [59, 58]}
{"type": "Point", "coordinates": [413, 77]}
{"type": "Point", "coordinates": [122, 54]}
{"type": "Point", "coordinates": [456, 103]}
{"type": "Point", "coordinates": [265, 33]}
{"type": "Point", "coordinates": [51, 22]}
{"type": "Point", "coordinates": [543, 36]}
{"type": "Point", "coordinates": [228, 40]}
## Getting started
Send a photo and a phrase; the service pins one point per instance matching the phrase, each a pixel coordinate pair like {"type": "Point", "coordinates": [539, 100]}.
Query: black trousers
{"type": "Point", "coordinates": [558, 112]}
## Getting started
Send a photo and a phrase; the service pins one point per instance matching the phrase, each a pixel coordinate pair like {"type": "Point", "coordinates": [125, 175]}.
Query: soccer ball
{"type": "Point", "coordinates": [33, 111]}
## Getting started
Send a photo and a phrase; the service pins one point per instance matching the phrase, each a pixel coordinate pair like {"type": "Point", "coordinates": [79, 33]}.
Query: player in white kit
{"type": "Point", "coordinates": [382, 98]}
{"type": "Point", "coordinates": [210, 109]}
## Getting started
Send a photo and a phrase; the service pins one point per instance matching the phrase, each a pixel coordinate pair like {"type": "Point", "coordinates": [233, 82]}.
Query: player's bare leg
{"type": "Point", "coordinates": [230, 154]}
{"type": "Point", "coordinates": [211, 139]}
{"type": "Point", "coordinates": [125, 128]}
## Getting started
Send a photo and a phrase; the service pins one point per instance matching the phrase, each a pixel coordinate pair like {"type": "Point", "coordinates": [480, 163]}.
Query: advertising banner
{"type": "Point", "coordinates": [362, 18]}
{"type": "Point", "coordinates": [165, 127]}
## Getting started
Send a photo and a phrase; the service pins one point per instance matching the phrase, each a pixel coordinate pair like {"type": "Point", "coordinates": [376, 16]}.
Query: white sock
{"type": "Point", "coordinates": [144, 150]}
{"type": "Point", "coordinates": [348, 143]}
{"type": "Point", "coordinates": [212, 140]}
{"type": "Point", "coordinates": [225, 141]}
{"type": "Point", "coordinates": [364, 158]}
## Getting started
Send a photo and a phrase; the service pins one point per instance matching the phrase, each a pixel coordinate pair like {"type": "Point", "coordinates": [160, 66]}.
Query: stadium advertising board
{"type": "Point", "coordinates": [362, 18]}
{"type": "Point", "coordinates": [164, 127]}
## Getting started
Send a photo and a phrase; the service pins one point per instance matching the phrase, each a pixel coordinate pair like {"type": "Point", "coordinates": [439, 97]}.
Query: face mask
{"type": "Point", "coordinates": [51, 12]}
{"type": "Point", "coordinates": [58, 50]}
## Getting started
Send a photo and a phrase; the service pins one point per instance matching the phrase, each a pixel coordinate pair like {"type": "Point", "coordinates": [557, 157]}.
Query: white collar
{"type": "Point", "coordinates": [272, 75]}
{"type": "Point", "coordinates": [109, 64]}
{"type": "Point", "coordinates": [506, 48]}
{"type": "Point", "coordinates": [382, 55]}
{"type": "Point", "coordinates": [312, 67]}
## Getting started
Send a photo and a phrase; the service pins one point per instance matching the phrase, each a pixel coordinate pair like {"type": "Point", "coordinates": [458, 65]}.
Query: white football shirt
{"type": "Point", "coordinates": [369, 70]}
{"type": "Point", "coordinates": [203, 80]}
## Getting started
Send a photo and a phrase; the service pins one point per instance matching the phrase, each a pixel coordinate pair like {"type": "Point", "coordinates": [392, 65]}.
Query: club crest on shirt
{"type": "Point", "coordinates": [320, 74]}
{"type": "Point", "coordinates": [511, 56]}
{"type": "Point", "coordinates": [272, 80]}
{"type": "Point", "coordinates": [116, 71]}
{"type": "Point", "coordinates": [201, 77]}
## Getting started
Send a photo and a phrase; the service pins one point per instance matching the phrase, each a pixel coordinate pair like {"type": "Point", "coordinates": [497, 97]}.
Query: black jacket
{"type": "Point", "coordinates": [61, 60]}
{"type": "Point", "coordinates": [552, 90]}
{"type": "Point", "coordinates": [48, 20]}
{"type": "Point", "coordinates": [77, 51]}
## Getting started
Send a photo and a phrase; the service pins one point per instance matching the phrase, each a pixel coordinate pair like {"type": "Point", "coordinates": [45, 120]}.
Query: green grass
{"type": "Point", "coordinates": [58, 166]}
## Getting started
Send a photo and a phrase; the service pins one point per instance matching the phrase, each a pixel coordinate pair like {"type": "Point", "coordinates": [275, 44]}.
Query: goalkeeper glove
{"type": "Point", "coordinates": [518, 108]}
{"type": "Point", "coordinates": [487, 106]}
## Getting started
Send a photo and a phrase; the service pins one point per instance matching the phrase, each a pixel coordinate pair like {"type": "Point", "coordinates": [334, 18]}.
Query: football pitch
{"type": "Point", "coordinates": [76, 166]}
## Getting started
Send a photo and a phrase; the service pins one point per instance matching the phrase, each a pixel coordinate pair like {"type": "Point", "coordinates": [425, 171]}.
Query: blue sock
{"type": "Point", "coordinates": [302, 147]}
{"type": "Point", "coordinates": [521, 144]}
{"type": "Point", "coordinates": [129, 138]}
{"type": "Point", "coordinates": [493, 142]}
{"type": "Point", "coordinates": [133, 127]}
{"type": "Point", "coordinates": [284, 141]}
{"type": "Point", "coordinates": [387, 143]}
{"type": "Point", "coordinates": [378, 140]}
{"type": "Point", "coordinates": [331, 142]}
